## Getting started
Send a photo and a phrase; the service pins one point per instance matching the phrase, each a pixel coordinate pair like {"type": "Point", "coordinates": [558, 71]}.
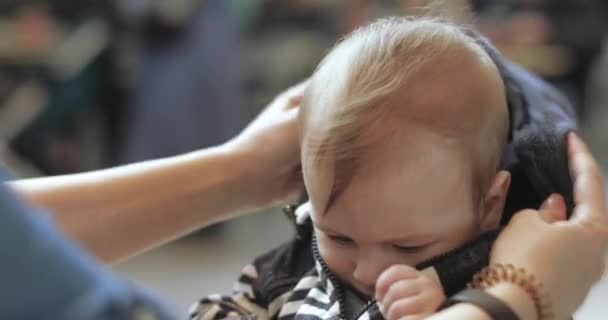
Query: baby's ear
{"type": "Point", "coordinates": [494, 201]}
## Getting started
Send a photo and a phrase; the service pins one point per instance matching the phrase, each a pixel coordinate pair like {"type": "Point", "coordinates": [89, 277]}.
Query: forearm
{"type": "Point", "coordinates": [118, 212]}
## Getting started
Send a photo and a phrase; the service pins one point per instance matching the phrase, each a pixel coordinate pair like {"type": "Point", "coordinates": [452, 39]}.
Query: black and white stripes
{"type": "Point", "coordinates": [291, 282]}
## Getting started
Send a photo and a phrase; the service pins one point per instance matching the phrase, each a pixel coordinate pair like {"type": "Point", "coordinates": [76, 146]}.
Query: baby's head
{"type": "Point", "coordinates": [403, 126]}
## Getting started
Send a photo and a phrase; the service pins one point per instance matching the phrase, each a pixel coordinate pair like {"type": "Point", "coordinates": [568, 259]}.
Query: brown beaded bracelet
{"type": "Point", "coordinates": [498, 273]}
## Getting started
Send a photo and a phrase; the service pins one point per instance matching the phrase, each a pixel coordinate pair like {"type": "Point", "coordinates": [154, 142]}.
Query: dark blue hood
{"type": "Point", "coordinates": [536, 156]}
{"type": "Point", "coordinates": [540, 119]}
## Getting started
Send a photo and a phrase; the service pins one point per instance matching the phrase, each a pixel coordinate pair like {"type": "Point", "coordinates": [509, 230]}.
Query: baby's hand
{"type": "Point", "coordinates": [406, 293]}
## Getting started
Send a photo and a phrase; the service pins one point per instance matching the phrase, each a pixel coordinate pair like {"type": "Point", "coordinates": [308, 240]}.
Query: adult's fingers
{"type": "Point", "coordinates": [294, 94]}
{"type": "Point", "coordinates": [589, 193]}
{"type": "Point", "coordinates": [553, 209]}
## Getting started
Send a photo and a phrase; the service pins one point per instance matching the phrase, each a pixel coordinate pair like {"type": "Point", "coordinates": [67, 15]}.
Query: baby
{"type": "Point", "coordinates": [402, 129]}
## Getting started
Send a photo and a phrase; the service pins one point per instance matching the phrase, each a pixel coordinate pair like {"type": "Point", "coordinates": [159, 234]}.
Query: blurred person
{"type": "Point", "coordinates": [558, 39]}
{"type": "Point", "coordinates": [186, 89]}
{"type": "Point", "coordinates": [596, 118]}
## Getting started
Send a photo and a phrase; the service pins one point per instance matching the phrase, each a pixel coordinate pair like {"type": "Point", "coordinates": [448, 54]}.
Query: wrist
{"type": "Point", "coordinates": [237, 160]}
{"type": "Point", "coordinates": [266, 175]}
{"type": "Point", "coordinates": [499, 275]}
{"type": "Point", "coordinates": [516, 298]}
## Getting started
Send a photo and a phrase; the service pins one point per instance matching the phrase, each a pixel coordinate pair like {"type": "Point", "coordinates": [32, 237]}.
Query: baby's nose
{"type": "Point", "coordinates": [366, 273]}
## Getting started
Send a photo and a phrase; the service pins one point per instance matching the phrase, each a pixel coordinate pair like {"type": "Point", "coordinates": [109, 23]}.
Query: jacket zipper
{"type": "Point", "coordinates": [367, 306]}
{"type": "Point", "coordinates": [330, 276]}
{"type": "Point", "coordinates": [337, 286]}
{"type": "Point", "coordinates": [290, 212]}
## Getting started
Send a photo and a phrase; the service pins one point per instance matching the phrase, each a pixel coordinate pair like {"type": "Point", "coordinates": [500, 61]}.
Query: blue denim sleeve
{"type": "Point", "coordinates": [45, 276]}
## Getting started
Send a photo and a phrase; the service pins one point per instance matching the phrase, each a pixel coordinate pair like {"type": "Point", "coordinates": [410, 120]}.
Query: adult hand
{"type": "Point", "coordinates": [566, 256]}
{"type": "Point", "coordinates": [270, 146]}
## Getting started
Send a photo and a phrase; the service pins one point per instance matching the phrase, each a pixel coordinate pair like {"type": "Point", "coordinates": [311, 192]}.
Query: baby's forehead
{"type": "Point", "coordinates": [457, 102]}
{"type": "Point", "coordinates": [406, 155]}
{"type": "Point", "coordinates": [400, 181]}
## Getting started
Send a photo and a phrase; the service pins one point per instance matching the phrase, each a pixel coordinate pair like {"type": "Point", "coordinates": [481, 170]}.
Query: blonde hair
{"type": "Point", "coordinates": [378, 70]}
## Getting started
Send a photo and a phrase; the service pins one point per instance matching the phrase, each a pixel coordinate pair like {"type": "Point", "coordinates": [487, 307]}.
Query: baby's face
{"type": "Point", "coordinates": [408, 203]}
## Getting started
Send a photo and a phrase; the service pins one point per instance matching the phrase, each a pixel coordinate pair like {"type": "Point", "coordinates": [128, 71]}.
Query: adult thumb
{"type": "Point", "coordinates": [553, 209]}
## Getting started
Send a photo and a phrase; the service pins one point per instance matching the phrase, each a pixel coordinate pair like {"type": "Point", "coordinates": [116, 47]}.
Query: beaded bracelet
{"type": "Point", "coordinates": [498, 273]}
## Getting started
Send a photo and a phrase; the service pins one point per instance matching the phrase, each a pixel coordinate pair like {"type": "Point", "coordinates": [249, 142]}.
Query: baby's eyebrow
{"type": "Point", "coordinates": [326, 229]}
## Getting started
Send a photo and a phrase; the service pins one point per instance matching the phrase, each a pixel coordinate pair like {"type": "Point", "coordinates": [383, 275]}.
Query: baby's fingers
{"type": "Point", "coordinates": [391, 276]}
{"type": "Point", "coordinates": [401, 290]}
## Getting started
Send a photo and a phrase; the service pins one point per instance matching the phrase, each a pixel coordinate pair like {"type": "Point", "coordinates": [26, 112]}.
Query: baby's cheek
{"type": "Point", "coordinates": [339, 261]}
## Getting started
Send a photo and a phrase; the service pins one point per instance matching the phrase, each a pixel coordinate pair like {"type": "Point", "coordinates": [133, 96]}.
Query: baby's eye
{"type": "Point", "coordinates": [341, 240]}
{"type": "Point", "coordinates": [410, 249]}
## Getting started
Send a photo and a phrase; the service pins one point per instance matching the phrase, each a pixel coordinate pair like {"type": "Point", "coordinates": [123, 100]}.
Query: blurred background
{"type": "Point", "coordinates": [91, 84]}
